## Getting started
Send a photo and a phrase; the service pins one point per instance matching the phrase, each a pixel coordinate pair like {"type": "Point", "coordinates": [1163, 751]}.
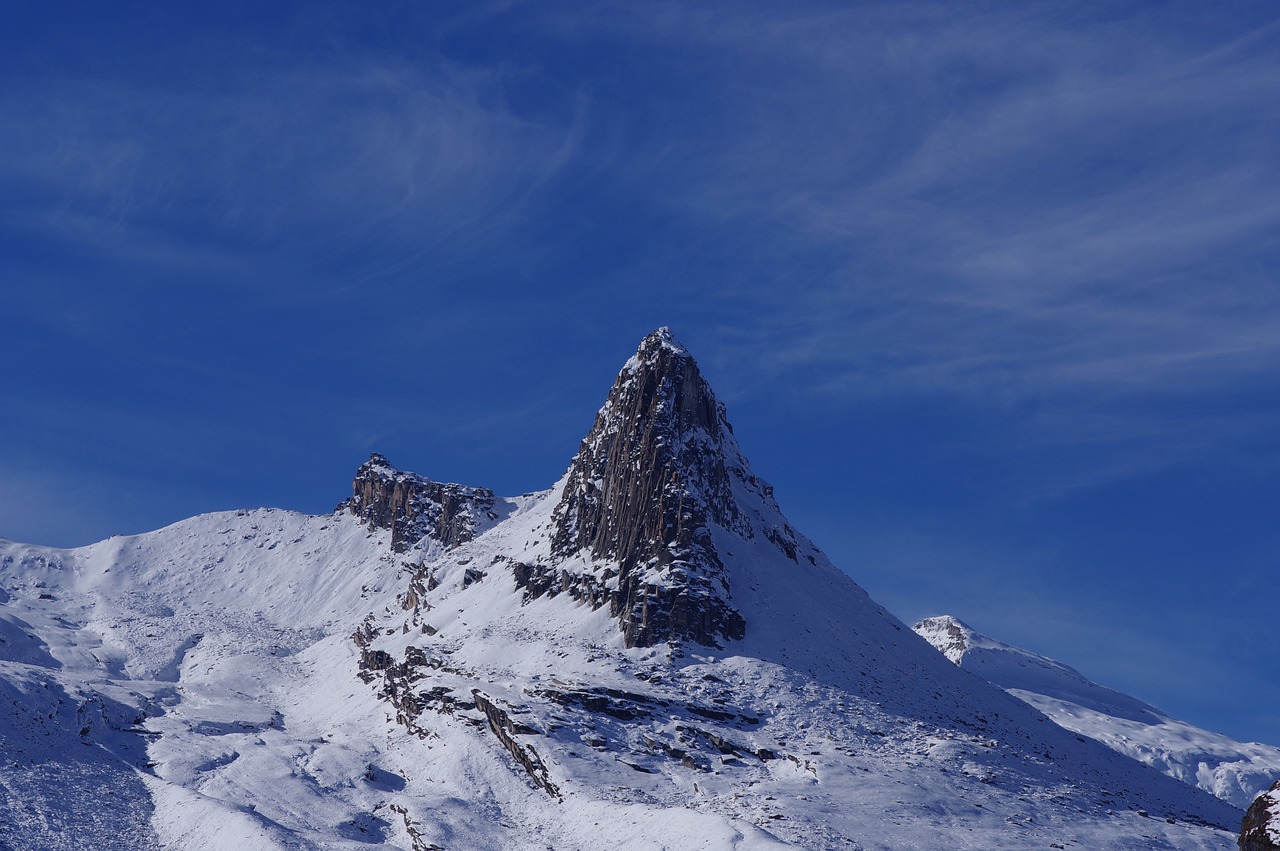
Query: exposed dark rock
{"type": "Point", "coordinates": [411, 828]}
{"type": "Point", "coordinates": [695, 763]}
{"type": "Point", "coordinates": [651, 476]}
{"type": "Point", "coordinates": [722, 744]}
{"type": "Point", "coordinates": [364, 633]}
{"type": "Point", "coordinates": [399, 680]}
{"type": "Point", "coordinates": [623, 705]}
{"type": "Point", "coordinates": [506, 729]}
{"type": "Point", "coordinates": [375, 660]}
{"type": "Point", "coordinates": [656, 744]}
{"type": "Point", "coordinates": [1262, 822]}
{"type": "Point", "coordinates": [627, 706]}
{"type": "Point", "coordinates": [713, 714]}
{"type": "Point", "coordinates": [699, 740]}
{"type": "Point", "coordinates": [648, 613]}
{"type": "Point", "coordinates": [414, 507]}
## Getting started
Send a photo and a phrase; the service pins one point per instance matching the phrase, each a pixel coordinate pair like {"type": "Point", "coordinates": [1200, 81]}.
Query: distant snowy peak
{"type": "Point", "coordinates": [1233, 771]}
{"type": "Point", "coordinates": [950, 635]}
{"type": "Point", "coordinates": [414, 507]}
{"type": "Point", "coordinates": [1021, 670]}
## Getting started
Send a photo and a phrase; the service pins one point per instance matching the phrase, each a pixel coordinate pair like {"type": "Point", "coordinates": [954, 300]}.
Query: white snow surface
{"type": "Point", "coordinates": [1233, 771]}
{"type": "Point", "coordinates": [197, 688]}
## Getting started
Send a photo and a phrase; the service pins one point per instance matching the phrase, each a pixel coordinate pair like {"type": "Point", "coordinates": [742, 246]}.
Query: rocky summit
{"type": "Point", "coordinates": [414, 508]}
{"type": "Point", "coordinates": [658, 467]}
{"type": "Point", "coordinates": [646, 654]}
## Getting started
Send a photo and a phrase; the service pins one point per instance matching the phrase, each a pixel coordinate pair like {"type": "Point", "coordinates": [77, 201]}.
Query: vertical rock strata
{"type": "Point", "coordinates": [647, 482]}
{"type": "Point", "coordinates": [414, 507]}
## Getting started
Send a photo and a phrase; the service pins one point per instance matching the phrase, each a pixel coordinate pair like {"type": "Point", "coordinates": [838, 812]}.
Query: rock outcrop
{"type": "Point", "coordinates": [650, 478]}
{"type": "Point", "coordinates": [506, 728]}
{"type": "Point", "coordinates": [414, 507]}
{"type": "Point", "coordinates": [1260, 830]}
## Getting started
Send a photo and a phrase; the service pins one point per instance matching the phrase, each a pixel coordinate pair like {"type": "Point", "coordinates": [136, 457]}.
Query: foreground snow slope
{"type": "Point", "coordinates": [1234, 771]}
{"type": "Point", "coordinates": [171, 655]}
{"type": "Point", "coordinates": [228, 713]}
{"type": "Point", "coordinates": [646, 655]}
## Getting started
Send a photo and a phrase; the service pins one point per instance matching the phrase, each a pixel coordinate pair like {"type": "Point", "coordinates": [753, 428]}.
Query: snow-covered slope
{"type": "Point", "coordinates": [646, 655]}
{"type": "Point", "coordinates": [1234, 771]}
{"type": "Point", "coordinates": [169, 662]}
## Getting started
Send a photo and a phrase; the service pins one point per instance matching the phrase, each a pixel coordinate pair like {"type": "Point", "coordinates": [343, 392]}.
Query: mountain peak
{"type": "Point", "coordinates": [648, 482]}
{"type": "Point", "coordinates": [1231, 770]}
{"type": "Point", "coordinates": [1024, 672]}
{"type": "Point", "coordinates": [662, 338]}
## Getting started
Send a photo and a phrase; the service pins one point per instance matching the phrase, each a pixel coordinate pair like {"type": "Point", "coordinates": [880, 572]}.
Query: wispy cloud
{"type": "Point", "coordinates": [1070, 211]}
{"type": "Point", "coordinates": [370, 154]}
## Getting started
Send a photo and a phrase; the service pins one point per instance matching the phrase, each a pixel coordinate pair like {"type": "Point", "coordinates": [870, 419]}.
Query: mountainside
{"type": "Point", "coordinates": [1234, 771]}
{"type": "Point", "coordinates": [646, 655]}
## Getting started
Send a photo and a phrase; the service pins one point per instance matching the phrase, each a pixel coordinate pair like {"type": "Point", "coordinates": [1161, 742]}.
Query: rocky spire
{"type": "Point", "coordinates": [642, 491]}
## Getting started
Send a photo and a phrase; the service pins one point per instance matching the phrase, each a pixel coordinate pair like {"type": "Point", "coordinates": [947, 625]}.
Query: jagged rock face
{"type": "Point", "coordinates": [414, 507]}
{"type": "Point", "coordinates": [1260, 830]}
{"type": "Point", "coordinates": [642, 490]}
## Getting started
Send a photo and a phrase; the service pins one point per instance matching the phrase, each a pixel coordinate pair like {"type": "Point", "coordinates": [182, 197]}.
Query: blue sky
{"type": "Point", "coordinates": [990, 290]}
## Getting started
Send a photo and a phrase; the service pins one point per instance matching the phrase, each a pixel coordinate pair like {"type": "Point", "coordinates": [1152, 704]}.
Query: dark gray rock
{"type": "Point", "coordinates": [649, 479]}
{"type": "Point", "coordinates": [414, 507]}
{"type": "Point", "coordinates": [505, 728]}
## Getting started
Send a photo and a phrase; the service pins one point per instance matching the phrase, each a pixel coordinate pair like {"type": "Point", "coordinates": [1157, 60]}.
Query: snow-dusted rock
{"type": "Point", "coordinates": [413, 507]}
{"type": "Point", "coordinates": [1260, 830]}
{"type": "Point", "coordinates": [655, 471]}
